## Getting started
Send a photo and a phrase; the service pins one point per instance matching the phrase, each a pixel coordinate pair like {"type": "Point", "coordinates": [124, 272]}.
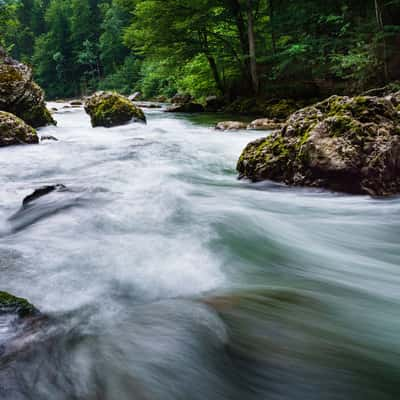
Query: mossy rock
{"type": "Point", "coordinates": [20, 95]}
{"type": "Point", "coordinates": [16, 305]}
{"type": "Point", "coordinates": [14, 130]}
{"type": "Point", "coordinates": [112, 109]}
{"type": "Point", "coordinates": [344, 144]}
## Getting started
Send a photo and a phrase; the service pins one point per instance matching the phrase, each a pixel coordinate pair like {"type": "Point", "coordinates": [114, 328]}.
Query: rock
{"type": "Point", "coordinates": [16, 305]}
{"type": "Point", "coordinates": [276, 109]}
{"type": "Point", "coordinates": [135, 96]}
{"type": "Point", "coordinates": [67, 106]}
{"type": "Point", "coordinates": [160, 99]}
{"type": "Point", "coordinates": [14, 130]}
{"type": "Point", "coordinates": [76, 103]}
{"type": "Point", "coordinates": [43, 138]}
{"type": "Point", "coordinates": [265, 124]}
{"type": "Point", "coordinates": [230, 126]}
{"type": "Point", "coordinates": [214, 104]}
{"type": "Point", "coordinates": [186, 108]}
{"type": "Point", "coordinates": [43, 191]}
{"type": "Point", "coordinates": [181, 98]}
{"type": "Point", "coordinates": [111, 109]}
{"type": "Point", "coordinates": [20, 95]}
{"type": "Point", "coordinates": [345, 144]}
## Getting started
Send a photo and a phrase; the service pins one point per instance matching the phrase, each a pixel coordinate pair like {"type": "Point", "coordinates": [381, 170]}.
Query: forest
{"type": "Point", "coordinates": [229, 48]}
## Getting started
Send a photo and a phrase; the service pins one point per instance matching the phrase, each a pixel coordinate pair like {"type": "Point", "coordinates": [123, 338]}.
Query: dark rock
{"type": "Point", "coordinates": [344, 144]}
{"type": "Point", "coordinates": [230, 125]}
{"type": "Point", "coordinates": [20, 95]}
{"type": "Point", "coordinates": [43, 138]}
{"type": "Point", "coordinates": [186, 108]}
{"type": "Point", "coordinates": [181, 98]}
{"type": "Point", "coordinates": [16, 305]}
{"type": "Point", "coordinates": [14, 130]}
{"type": "Point", "coordinates": [214, 104]}
{"type": "Point", "coordinates": [76, 103]}
{"type": "Point", "coordinates": [43, 191]}
{"type": "Point", "coordinates": [111, 109]}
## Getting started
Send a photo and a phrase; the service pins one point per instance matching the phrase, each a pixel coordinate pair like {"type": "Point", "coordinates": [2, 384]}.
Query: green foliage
{"type": "Point", "coordinates": [203, 47]}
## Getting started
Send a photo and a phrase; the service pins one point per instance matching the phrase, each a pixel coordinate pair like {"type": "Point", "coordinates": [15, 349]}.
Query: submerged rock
{"type": "Point", "coordinates": [230, 125]}
{"type": "Point", "coordinates": [49, 137]}
{"type": "Point", "coordinates": [16, 305]}
{"type": "Point", "coordinates": [345, 144]}
{"type": "Point", "coordinates": [14, 130]}
{"type": "Point", "coordinates": [42, 192]}
{"type": "Point", "coordinates": [264, 124]}
{"type": "Point", "coordinates": [20, 95]}
{"type": "Point", "coordinates": [75, 103]}
{"type": "Point", "coordinates": [112, 109]}
{"type": "Point", "coordinates": [186, 108]}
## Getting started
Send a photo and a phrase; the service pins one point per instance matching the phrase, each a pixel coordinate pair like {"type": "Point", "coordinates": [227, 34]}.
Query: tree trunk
{"type": "Point", "coordinates": [381, 27]}
{"type": "Point", "coordinates": [214, 70]}
{"type": "Point", "coordinates": [272, 17]}
{"type": "Point", "coordinates": [252, 47]}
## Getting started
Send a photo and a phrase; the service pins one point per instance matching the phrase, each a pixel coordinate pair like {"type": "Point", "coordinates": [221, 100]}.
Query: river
{"type": "Point", "coordinates": [164, 277]}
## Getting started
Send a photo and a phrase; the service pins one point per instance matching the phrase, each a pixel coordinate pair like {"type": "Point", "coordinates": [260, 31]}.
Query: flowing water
{"type": "Point", "coordinates": [161, 276]}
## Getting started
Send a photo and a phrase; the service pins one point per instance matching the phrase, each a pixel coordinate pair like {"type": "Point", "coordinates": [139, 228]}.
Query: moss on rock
{"type": "Point", "coordinates": [14, 130]}
{"type": "Point", "coordinates": [12, 304]}
{"type": "Point", "coordinates": [20, 95]}
{"type": "Point", "coordinates": [342, 143]}
{"type": "Point", "coordinates": [111, 109]}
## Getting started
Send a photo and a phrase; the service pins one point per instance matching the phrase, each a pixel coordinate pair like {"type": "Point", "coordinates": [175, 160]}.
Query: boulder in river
{"type": "Point", "coordinates": [112, 109]}
{"type": "Point", "coordinates": [344, 144]}
{"type": "Point", "coordinates": [43, 191]}
{"type": "Point", "coordinates": [75, 103]}
{"type": "Point", "coordinates": [230, 125]}
{"type": "Point", "coordinates": [16, 305]}
{"type": "Point", "coordinates": [20, 95]}
{"type": "Point", "coordinates": [186, 108]}
{"type": "Point", "coordinates": [14, 130]}
{"type": "Point", "coordinates": [264, 124]}
{"type": "Point", "coordinates": [48, 137]}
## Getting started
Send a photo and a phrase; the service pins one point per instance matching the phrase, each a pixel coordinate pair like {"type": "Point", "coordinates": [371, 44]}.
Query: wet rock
{"type": "Point", "coordinates": [16, 305]}
{"type": "Point", "coordinates": [180, 98]}
{"type": "Point", "coordinates": [230, 126]}
{"type": "Point", "coordinates": [43, 138]}
{"type": "Point", "coordinates": [76, 103]}
{"type": "Point", "coordinates": [214, 104]}
{"type": "Point", "coordinates": [14, 130]}
{"type": "Point", "coordinates": [43, 191]}
{"type": "Point", "coordinates": [265, 124]}
{"type": "Point", "coordinates": [186, 108]}
{"type": "Point", "coordinates": [111, 109]}
{"type": "Point", "coordinates": [20, 95]}
{"type": "Point", "coordinates": [135, 96]}
{"type": "Point", "coordinates": [345, 144]}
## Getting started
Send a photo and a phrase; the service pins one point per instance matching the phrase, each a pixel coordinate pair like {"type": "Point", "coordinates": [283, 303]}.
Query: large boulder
{"type": "Point", "coordinates": [112, 109]}
{"type": "Point", "coordinates": [344, 144]}
{"type": "Point", "coordinates": [14, 130]}
{"type": "Point", "coordinates": [16, 305]}
{"type": "Point", "coordinates": [20, 95]}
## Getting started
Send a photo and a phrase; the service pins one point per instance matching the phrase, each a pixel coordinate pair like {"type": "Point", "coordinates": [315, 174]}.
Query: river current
{"type": "Point", "coordinates": [163, 277]}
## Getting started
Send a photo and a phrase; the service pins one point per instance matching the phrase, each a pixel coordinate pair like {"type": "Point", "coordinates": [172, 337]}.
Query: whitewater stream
{"type": "Point", "coordinates": [160, 276]}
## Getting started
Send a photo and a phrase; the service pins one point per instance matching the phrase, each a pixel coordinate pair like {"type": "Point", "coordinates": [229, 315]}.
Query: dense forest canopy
{"type": "Point", "coordinates": [204, 47]}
